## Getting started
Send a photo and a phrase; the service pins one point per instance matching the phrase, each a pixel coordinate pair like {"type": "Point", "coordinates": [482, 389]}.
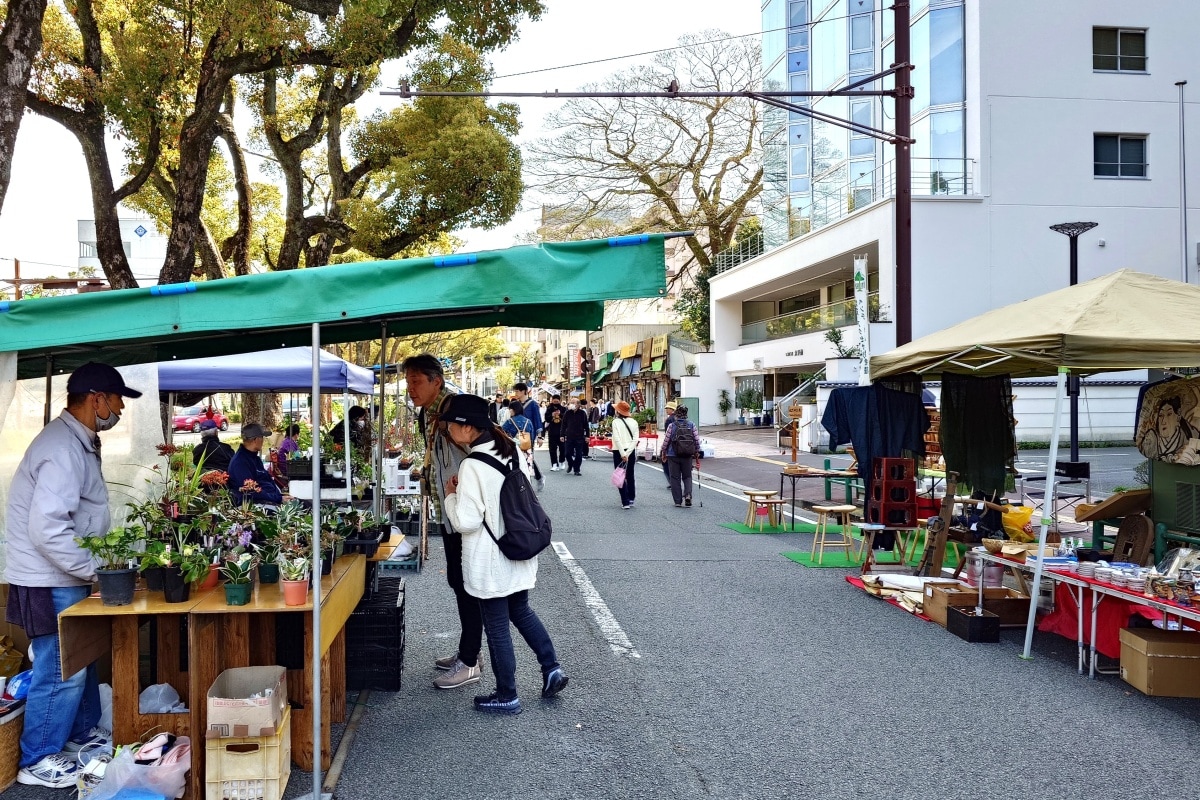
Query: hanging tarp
{"type": "Point", "coordinates": [1124, 320]}
{"type": "Point", "coordinates": [555, 285]}
{"type": "Point", "coordinates": [282, 370]}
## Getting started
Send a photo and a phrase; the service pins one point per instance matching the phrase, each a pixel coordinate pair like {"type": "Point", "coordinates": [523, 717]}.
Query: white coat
{"type": "Point", "coordinates": [487, 573]}
{"type": "Point", "coordinates": [624, 435]}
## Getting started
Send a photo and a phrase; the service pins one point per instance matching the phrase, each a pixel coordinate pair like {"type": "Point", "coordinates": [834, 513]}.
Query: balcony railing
{"type": "Point", "coordinates": [812, 320]}
{"type": "Point", "coordinates": [932, 177]}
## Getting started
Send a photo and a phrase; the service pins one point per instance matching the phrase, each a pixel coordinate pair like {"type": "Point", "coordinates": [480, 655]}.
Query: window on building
{"type": "Point", "coordinates": [801, 302]}
{"type": "Point", "coordinates": [797, 13]}
{"type": "Point", "coordinates": [87, 250]}
{"type": "Point", "coordinates": [1119, 156]}
{"type": "Point", "coordinates": [1118, 50]}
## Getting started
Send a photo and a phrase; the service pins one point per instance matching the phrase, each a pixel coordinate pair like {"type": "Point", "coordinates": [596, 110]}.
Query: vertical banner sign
{"type": "Point", "coordinates": [863, 313]}
{"type": "Point", "coordinates": [572, 361]}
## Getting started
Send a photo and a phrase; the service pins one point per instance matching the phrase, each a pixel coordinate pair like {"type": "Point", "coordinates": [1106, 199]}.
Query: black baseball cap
{"type": "Point", "coordinates": [96, 377]}
{"type": "Point", "coordinates": [467, 409]}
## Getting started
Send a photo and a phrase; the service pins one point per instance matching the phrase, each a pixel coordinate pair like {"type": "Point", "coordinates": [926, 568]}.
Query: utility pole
{"type": "Point", "coordinates": [1183, 236]}
{"type": "Point", "coordinates": [904, 96]}
{"type": "Point", "coordinates": [1074, 230]}
{"type": "Point", "coordinates": [17, 278]}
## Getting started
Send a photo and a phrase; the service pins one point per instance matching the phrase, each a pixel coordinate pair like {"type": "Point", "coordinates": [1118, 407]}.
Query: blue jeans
{"type": "Point", "coordinates": [58, 710]}
{"type": "Point", "coordinates": [629, 490]}
{"type": "Point", "coordinates": [575, 450]}
{"type": "Point", "coordinates": [470, 641]}
{"type": "Point", "coordinates": [497, 613]}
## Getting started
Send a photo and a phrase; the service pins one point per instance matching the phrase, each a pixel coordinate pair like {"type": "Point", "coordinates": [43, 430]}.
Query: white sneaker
{"type": "Point", "coordinates": [554, 467]}
{"type": "Point", "coordinates": [54, 771]}
{"type": "Point", "coordinates": [96, 739]}
{"type": "Point", "coordinates": [459, 675]}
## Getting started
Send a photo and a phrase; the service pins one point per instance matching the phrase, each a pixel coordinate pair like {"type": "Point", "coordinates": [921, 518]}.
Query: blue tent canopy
{"type": "Point", "coordinates": [287, 369]}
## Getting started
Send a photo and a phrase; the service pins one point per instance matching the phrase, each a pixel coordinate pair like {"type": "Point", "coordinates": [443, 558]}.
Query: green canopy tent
{"type": "Point", "coordinates": [561, 285]}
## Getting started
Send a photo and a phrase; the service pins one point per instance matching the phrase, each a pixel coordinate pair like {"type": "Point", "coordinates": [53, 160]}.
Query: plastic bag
{"type": "Point", "coordinates": [10, 657]}
{"type": "Point", "coordinates": [161, 698]}
{"type": "Point", "coordinates": [18, 687]}
{"type": "Point", "coordinates": [618, 477]}
{"type": "Point", "coordinates": [105, 707]}
{"type": "Point", "coordinates": [126, 777]}
{"type": "Point", "coordinates": [1015, 519]}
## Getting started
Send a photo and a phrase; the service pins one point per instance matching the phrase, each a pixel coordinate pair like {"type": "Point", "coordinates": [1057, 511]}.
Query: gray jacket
{"type": "Point", "coordinates": [57, 493]}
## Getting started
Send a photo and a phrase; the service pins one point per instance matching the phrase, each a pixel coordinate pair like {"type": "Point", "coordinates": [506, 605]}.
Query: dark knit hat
{"type": "Point", "coordinates": [468, 409]}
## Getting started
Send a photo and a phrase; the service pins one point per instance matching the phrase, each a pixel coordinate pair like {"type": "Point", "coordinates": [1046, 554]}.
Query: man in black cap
{"type": "Point", "coordinates": [57, 494]}
{"type": "Point", "coordinates": [215, 453]}
{"type": "Point", "coordinates": [247, 465]}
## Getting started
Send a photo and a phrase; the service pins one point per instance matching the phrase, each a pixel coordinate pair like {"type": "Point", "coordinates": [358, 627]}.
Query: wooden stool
{"type": "Point", "coordinates": [751, 507]}
{"type": "Point", "coordinates": [769, 507]}
{"type": "Point", "coordinates": [821, 538]}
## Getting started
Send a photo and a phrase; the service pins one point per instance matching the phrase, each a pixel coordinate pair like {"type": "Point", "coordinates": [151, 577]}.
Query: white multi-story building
{"type": "Point", "coordinates": [144, 246]}
{"type": "Point", "coordinates": [1026, 114]}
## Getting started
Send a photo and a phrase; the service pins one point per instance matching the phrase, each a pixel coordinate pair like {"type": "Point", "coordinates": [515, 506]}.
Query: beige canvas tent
{"type": "Point", "coordinates": [1124, 320]}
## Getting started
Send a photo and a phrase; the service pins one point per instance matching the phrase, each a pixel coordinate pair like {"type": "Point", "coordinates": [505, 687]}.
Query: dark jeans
{"type": "Point", "coordinates": [471, 640]}
{"type": "Point", "coordinates": [680, 471]}
{"type": "Point", "coordinates": [497, 613]}
{"type": "Point", "coordinates": [629, 490]}
{"type": "Point", "coordinates": [557, 451]}
{"type": "Point", "coordinates": [575, 450]}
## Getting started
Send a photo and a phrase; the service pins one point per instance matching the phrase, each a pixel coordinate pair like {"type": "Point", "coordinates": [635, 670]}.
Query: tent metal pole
{"type": "Point", "coordinates": [377, 491]}
{"type": "Point", "coordinates": [1035, 590]}
{"type": "Point", "coordinates": [49, 376]}
{"type": "Point", "coordinates": [170, 417]}
{"type": "Point", "coordinates": [316, 569]}
{"type": "Point", "coordinates": [346, 442]}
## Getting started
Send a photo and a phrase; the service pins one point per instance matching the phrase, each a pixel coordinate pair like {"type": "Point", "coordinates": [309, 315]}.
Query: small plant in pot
{"type": "Point", "coordinates": [115, 557]}
{"type": "Point", "coordinates": [238, 571]}
{"type": "Point", "coordinates": [183, 564]}
{"type": "Point", "coordinates": [293, 572]}
{"type": "Point", "coordinates": [724, 405]}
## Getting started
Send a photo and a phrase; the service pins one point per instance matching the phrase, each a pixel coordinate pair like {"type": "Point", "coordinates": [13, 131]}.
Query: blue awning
{"type": "Point", "coordinates": [626, 367]}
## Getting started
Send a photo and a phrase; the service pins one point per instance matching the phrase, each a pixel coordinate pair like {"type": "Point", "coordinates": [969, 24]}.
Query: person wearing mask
{"type": "Point", "coordinates": [216, 454]}
{"type": "Point", "coordinates": [554, 412]}
{"type": "Point", "coordinates": [360, 432]}
{"type": "Point", "coordinates": [624, 451]}
{"type": "Point", "coordinates": [573, 435]}
{"type": "Point", "coordinates": [427, 390]}
{"type": "Point", "coordinates": [593, 417]}
{"type": "Point", "coordinates": [58, 493]}
{"type": "Point", "coordinates": [494, 408]}
{"type": "Point", "coordinates": [247, 465]}
{"type": "Point", "coordinates": [518, 422]}
{"type": "Point", "coordinates": [680, 464]}
{"type": "Point", "coordinates": [500, 584]}
{"type": "Point", "coordinates": [533, 413]}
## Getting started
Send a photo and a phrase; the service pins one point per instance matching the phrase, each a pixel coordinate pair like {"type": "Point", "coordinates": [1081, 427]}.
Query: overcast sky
{"type": "Point", "coordinates": [49, 190]}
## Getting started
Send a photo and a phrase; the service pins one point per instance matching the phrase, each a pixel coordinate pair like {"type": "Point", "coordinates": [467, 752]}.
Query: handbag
{"type": "Point", "coordinates": [523, 440]}
{"type": "Point", "coordinates": [618, 477]}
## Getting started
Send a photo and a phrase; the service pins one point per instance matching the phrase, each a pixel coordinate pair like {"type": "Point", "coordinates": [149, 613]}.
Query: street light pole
{"type": "Point", "coordinates": [1073, 230]}
{"type": "Point", "coordinates": [1183, 237]}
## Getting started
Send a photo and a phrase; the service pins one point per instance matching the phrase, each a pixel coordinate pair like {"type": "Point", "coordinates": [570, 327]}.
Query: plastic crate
{"type": "Point", "coordinates": [375, 639]}
{"type": "Point", "coordinates": [249, 767]}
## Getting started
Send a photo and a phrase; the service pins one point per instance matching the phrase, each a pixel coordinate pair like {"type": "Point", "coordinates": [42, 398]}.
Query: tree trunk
{"type": "Point", "coordinates": [236, 249]}
{"type": "Point", "coordinates": [252, 408]}
{"type": "Point", "coordinates": [190, 180]}
{"type": "Point", "coordinates": [109, 246]}
{"type": "Point", "coordinates": [20, 42]}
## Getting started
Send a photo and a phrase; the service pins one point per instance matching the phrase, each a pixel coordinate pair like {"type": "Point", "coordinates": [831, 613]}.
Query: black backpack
{"type": "Point", "coordinates": [683, 441]}
{"type": "Point", "coordinates": [527, 529]}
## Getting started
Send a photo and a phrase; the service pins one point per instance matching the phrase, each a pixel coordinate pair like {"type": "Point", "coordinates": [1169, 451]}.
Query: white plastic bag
{"type": "Point", "coordinates": [124, 774]}
{"type": "Point", "coordinates": [105, 707]}
{"type": "Point", "coordinates": [161, 698]}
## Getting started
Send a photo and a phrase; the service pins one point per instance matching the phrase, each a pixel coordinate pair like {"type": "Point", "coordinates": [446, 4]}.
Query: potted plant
{"type": "Point", "coordinates": [115, 557]}
{"type": "Point", "coordinates": [724, 405]}
{"type": "Point", "coordinates": [238, 571]}
{"type": "Point", "coordinates": [293, 573]}
{"type": "Point", "coordinates": [749, 400]}
{"type": "Point", "coordinates": [183, 564]}
{"type": "Point", "coordinates": [842, 367]}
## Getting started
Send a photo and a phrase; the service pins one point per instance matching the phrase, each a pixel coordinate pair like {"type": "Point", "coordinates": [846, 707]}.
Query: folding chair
{"type": "Point", "coordinates": [1066, 473]}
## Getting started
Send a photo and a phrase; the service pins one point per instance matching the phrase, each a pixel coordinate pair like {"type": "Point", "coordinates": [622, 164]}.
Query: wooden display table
{"type": "Point", "coordinates": [219, 637]}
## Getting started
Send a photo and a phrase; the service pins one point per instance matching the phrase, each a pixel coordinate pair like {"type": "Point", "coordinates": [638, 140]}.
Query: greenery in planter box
{"type": "Point", "coordinates": [750, 399]}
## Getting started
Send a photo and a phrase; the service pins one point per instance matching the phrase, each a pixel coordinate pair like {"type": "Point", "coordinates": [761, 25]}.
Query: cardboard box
{"type": "Point", "coordinates": [247, 701]}
{"type": "Point", "coordinates": [1161, 663]}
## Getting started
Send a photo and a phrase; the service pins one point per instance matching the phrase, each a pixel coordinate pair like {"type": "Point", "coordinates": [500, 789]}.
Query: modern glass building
{"type": "Point", "coordinates": [817, 172]}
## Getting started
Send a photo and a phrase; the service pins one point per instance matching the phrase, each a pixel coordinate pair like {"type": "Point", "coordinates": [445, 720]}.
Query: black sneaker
{"type": "Point", "coordinates": [687, 501]}
{"type": "Point", "coordinates": [491, 704]}
{"type": "Point", "coordinates": [554, 682]}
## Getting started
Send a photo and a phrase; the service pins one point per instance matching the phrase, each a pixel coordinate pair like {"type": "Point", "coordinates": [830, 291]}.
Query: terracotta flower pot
{"type": "Point", "coordinates": [211, 581]}
{"type": "Point", "coordinates": [295, 593]}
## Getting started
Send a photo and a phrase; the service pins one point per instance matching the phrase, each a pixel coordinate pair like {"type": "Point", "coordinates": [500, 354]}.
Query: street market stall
{"type": "Point", "coordinates": [550, 285]}
{"type": "Point", "coordinates": [1121, 321]}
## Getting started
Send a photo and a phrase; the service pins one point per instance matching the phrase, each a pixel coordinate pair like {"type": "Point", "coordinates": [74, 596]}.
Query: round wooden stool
{"type": "Point", "coordinates": [821, 539]}
{"type": "Point", "coordinates": [752, 508]}
{"type": "Point", "coordinates": [770, 508]}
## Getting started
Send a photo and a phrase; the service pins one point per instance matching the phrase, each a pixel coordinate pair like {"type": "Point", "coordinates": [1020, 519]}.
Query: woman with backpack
{"type": "Point", "coordinates": [502, 585]}
{"type": "Point", "coordinates": [517, 424]}
{"type": "Point", "coordinates": [682, 443]}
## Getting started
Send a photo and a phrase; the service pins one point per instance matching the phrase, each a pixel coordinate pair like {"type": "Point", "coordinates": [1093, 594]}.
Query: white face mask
{"type": "Point", "coordinates": [109, 422]}
{"type": "Point", "coordinates": [360, 424]}
{"type": "Point", "coordinates": [573, 406]}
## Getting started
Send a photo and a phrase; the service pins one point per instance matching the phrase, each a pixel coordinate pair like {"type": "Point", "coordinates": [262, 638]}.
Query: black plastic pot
{"type": "Point", "coordinates": [326, 563]}
{"type": "Point", "coordinates": [175, 588]}
{"type": "Point", "coordinates": [116, 586]}
{"type": "Point", "coordinates": [268, 573]}
{"type": "Point", "coordinates": [154, 578]}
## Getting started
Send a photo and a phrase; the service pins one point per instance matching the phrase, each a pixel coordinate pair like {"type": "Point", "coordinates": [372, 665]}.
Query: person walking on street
{"type": "Point", "coordinates": [681, 449]}
{"type": "Point", "coordinates": [533, 413]}
{"type": "Point", "coordinates": [670, 409]}
{"type": "Point", "coordinates": [58, 494]}
{"type": "Point", "coordinates": [519, 423]}
{"type": "Point", "coordinates": [427, 389]}
{"type": "Point", "coordinates": [554, 412]}
{"type": "Point", "coordinates": [500, 584]}
{"type": "Point", "coordinates": [574, 435]}
{"type": "Point", "coordinates": [593, 415]}
{"type": "Point", "coordinates": [624, 452]}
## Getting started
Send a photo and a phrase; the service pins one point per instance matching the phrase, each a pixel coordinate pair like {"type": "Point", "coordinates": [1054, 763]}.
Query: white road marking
{"type": "Point", "coordinates": [609, 626]}
{"type": "Point", "coordinates": [783, 509]}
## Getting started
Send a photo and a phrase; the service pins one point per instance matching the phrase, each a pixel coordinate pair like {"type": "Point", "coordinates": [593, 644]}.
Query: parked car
{"type": "Point", "coordinates": [189, 419]}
